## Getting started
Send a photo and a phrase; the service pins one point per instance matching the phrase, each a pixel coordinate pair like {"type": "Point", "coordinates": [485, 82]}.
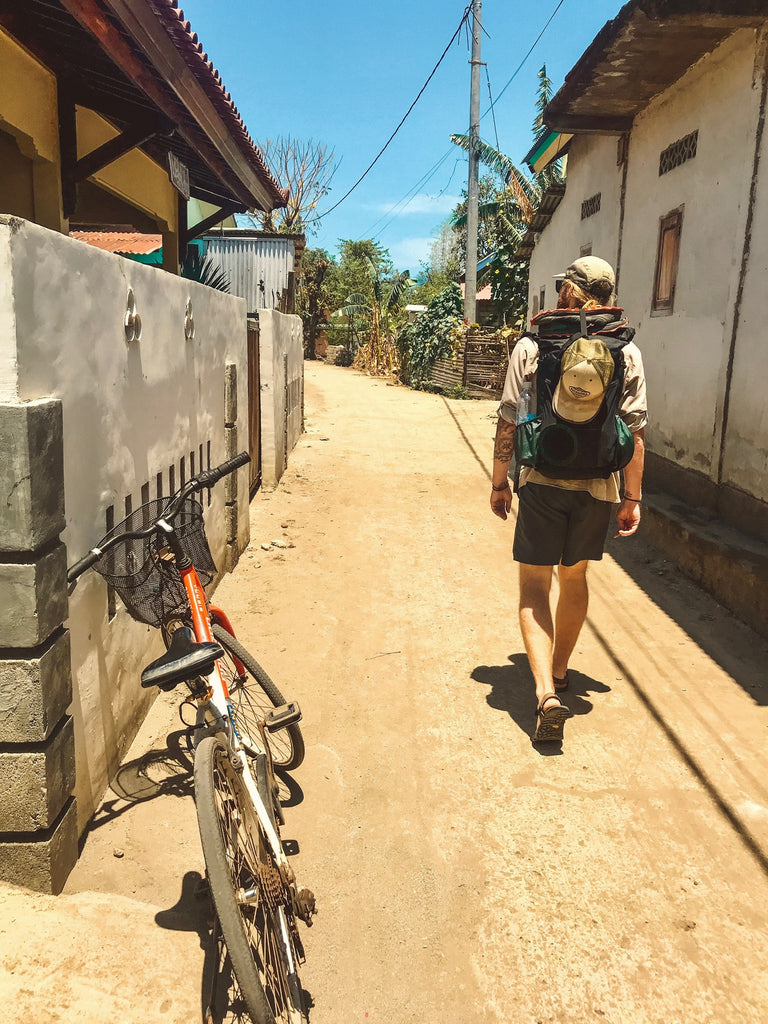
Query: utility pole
{"type": "Point", "coordinates": [470, 270]}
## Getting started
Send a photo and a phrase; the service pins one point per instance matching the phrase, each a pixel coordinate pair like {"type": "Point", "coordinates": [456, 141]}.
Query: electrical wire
{"type": "Point", "coordinates": [464, 18]}
{"type": "Point", "coordinates": [490, 109]}
{"type": "Point", "coordinates": [435, 167]}
{"type": "Point", "coordinates": [493, 112]}
{"type": "Point", "coordinates": [394, 211]}
{"type": "Point", "coordinates": [522, 62]}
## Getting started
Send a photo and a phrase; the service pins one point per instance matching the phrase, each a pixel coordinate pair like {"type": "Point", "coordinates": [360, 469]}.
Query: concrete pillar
{"type": "Point", "coordinates": [38, 819]}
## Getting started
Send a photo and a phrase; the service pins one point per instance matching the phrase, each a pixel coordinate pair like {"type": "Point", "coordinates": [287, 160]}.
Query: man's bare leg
{"type": "Point", "coordinates": [570, 614]}
{"type": "Point", "coordinates": [536, 624]}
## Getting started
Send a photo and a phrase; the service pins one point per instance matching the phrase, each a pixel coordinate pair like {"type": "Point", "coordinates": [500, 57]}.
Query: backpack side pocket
{"type": "Point", "coordinates": [526, 442]}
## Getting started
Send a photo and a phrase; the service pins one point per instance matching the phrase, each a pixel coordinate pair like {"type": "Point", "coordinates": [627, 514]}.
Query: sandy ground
{"type": "Point", "coordinates": [462, 875]}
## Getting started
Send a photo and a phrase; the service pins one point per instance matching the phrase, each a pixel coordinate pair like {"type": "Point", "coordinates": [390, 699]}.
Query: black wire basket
{"type": "Point", "coordinates": [140, 571]}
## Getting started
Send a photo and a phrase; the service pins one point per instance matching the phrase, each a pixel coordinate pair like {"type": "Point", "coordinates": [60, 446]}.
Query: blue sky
{"type": "Point", "coordinates": [345, 74]}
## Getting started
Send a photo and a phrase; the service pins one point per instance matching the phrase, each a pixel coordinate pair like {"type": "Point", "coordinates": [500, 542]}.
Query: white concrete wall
{"type": "Point", "coordinates": [130, 411]}
{"type": "Point", "coordinates": [591, 168]}
{"type": "Point", "coordinates": [745, 463]}
{"type": "Point", "coordinates": [281, 354]}
{"type": "Point", "coordinates": [686, 353]}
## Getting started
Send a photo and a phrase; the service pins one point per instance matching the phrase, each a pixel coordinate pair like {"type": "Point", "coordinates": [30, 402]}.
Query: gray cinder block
{"type": "Point", "coordinates": [35, 692]}
{"type": "Point", "coordinates": [31, 475]}
{"type": "Point", "coordinates": [36, 783]}
{"type": "Point", "coordinates": [34, 598]}
{"type": "Point", "coordinates": [42, 862]}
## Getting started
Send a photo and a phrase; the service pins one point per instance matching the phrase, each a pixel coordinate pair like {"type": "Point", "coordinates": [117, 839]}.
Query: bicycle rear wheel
{"type": "Point", "coordinates": [247, 890]}
{"type": "Point", "coordinates": [253, 696]}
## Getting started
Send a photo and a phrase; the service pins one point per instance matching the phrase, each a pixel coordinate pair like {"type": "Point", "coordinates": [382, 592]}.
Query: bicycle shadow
{"type": "Point", "coordinates": [513, 691]}
{"type": "Point", "coordinates": [221, 1001]}
{"type": "Point", "coordinates": [165, 771]}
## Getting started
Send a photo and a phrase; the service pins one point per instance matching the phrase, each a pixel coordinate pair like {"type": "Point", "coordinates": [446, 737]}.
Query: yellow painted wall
{"type": "Point", "coordinates": [30, 182]}
{"type": "Point", "coordinates": [28, 102]}
{"type": "Point", "coordinates": [134, 177]}
{"type": "Point", "coordinates": [29, 114]}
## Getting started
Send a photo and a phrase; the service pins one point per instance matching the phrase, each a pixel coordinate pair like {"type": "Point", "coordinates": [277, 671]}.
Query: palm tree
{"type": "Point", "coordinates": [385, 298]}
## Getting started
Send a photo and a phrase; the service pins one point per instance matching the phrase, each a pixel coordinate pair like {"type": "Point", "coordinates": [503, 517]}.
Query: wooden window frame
{"type": "Point", "coordinates": [671, 222]}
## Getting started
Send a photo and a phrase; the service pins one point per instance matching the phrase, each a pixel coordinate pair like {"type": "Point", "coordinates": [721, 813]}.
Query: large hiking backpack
{"type": "Point", "coordinates": [557, 446]}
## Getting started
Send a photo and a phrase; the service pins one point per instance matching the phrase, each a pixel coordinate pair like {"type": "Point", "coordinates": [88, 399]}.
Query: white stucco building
{"type": "Point", "coordinates": [667, 178]}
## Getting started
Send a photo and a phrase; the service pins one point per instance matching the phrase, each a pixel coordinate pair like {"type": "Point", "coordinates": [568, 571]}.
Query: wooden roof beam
{"type": "Point", "coordinates": [130, 139]}
{"type": "Point", "coordinates": [141, 21]}
{"type": "Point", "coordinates": [91, 16]}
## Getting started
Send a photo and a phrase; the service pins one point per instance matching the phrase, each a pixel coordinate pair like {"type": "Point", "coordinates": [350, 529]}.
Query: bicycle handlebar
{"type": "Point", "coordinates": [207, 478]}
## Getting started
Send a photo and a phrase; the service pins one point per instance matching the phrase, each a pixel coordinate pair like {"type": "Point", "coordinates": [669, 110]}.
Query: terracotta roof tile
{"type": "Point", "coordinates": [188, 45]}
{"type": "Point", "coordinates": [120, 241]}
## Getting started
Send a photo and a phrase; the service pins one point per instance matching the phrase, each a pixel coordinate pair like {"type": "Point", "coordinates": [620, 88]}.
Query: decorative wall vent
{"type": "Point", "coordinates": [680, 151]}
{"type": "Point", "coordinates": [591, 205]}
{"type": "Point", "coordinates": [132, 321]}
{"type": "Point", "coordinates": [189, 322]}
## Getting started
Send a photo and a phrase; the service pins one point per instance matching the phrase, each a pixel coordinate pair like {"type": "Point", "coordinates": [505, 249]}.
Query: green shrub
{"type": "Point", "coordinates": [434, 334]}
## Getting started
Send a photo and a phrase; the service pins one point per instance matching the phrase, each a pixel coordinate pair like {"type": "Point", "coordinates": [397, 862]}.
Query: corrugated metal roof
{"type": "Point", "coordinates": [120, 241]}
{"type": "Point", "coordinates": [258, 267]}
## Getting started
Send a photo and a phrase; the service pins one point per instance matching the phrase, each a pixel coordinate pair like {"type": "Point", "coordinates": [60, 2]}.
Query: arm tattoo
{"type": "Point", "coordinates": [504, 448]}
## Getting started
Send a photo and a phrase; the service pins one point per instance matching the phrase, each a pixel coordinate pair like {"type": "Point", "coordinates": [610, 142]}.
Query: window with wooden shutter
{"type": "Point", "coordinates": [667, 258]}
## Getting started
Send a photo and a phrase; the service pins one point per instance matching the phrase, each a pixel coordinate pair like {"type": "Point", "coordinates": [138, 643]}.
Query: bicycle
{"type": "Point", "coordinates": [158, 561]}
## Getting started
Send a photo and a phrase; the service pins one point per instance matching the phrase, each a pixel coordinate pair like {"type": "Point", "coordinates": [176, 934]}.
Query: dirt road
{"type": "Point", "coordinates": [462, 875]}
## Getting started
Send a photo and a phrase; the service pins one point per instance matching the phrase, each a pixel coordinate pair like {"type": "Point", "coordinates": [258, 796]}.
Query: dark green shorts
{"type": "Point", "coordinates": [555, 525]}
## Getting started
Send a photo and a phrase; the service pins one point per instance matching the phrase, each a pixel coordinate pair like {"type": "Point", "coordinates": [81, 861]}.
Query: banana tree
{"type": "Point", "coordinates": [378, 307]}
{"type": "Point", "coordinates": [523, 195]}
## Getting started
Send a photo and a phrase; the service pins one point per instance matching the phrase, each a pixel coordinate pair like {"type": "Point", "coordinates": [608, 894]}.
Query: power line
{"type": "Point", "coordinates": [490, 97]}
{"type": "Point", "coordinates": [402, 204]}
{"type": "Point", "coordinates": [525, 58]}
{"type": "Point", "coordinates": [490, 108]}
{"type": "Point", "coordinates": [402, 122]}
{"type": "Point", "coordinates": [435, 167]}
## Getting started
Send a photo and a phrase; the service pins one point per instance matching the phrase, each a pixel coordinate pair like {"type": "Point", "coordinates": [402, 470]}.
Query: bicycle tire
{"type": "Point", "coordinates": [238, 857]}
{"type": "Point", "coordinates": [249, 706]}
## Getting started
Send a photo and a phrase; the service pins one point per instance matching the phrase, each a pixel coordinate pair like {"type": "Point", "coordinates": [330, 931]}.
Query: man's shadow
{"type": "Point", "coordinates": [513, 691]}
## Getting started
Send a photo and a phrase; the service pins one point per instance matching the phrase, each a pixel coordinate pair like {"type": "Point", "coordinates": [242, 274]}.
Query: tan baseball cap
{"type": "Point", "coordinates": [592, 275]}
{"type": "Point", "coordinates": [585, 372]}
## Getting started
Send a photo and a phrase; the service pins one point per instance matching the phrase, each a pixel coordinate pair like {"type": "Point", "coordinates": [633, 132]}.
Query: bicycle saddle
{"type": "Point", "coordinates": [183, 660]}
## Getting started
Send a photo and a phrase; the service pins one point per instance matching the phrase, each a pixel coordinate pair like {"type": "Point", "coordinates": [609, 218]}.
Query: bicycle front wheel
{"type": "Point", "coordinates": [253, 696]}
{"type": "Point", "coordinates": [247, 890]}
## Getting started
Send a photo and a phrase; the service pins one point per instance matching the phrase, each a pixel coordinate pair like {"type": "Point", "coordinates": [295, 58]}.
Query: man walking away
{"type": "Point", "coordinates": [573, 412]}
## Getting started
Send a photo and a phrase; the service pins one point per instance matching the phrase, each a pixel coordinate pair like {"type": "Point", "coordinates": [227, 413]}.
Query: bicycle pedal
{"type": "Point", "coordinates": [285, 715]}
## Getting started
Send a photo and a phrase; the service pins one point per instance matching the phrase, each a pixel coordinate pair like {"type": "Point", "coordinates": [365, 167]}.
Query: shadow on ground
{"type": "Point", "coordinates": [711, 626]}
{"type": "Point", "coordinates": [512, 690]}
{"type": "Point", "coordinates": [221, 1001]}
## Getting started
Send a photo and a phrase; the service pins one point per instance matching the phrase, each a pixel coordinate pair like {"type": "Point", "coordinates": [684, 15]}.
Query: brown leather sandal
{"type": "Point", "coordinates": [549, 721]}
{"type": "Point", "coordinates": [561, 684]}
